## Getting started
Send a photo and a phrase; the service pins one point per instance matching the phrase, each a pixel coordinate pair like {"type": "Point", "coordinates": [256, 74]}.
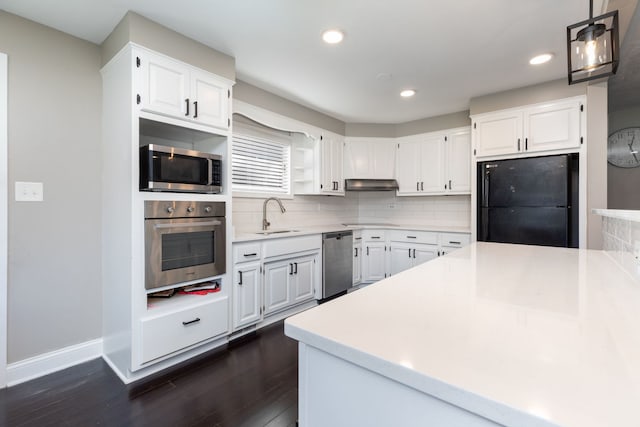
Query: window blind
{"type": "Point", "coordinates": [259, 165]}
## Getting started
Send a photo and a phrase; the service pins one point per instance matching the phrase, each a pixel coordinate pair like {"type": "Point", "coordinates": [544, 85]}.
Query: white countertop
{"type": "Point", "coordinates": [619, 213]}
{"type": "Point", "coordinates": [518, 334]}
{"type": "Point", "coordinates": [244, 236]}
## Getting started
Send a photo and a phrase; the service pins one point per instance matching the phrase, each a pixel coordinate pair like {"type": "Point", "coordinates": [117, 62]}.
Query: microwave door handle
{"type": "Point", "coordinates": [187, 225]}
{"type": "Point", "coordinates": [210, 163]}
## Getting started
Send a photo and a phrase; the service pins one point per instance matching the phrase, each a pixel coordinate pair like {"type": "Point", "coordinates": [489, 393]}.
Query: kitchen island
{"type": "Point", "coordinates": [491, 334]}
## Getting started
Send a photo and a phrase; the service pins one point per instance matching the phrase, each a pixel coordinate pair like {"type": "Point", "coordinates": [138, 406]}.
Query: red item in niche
{"type": "Point", "coordinates": [200, 291]}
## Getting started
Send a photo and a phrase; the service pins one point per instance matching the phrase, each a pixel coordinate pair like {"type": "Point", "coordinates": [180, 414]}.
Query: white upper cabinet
{"type": "Point", "coordinates": [369, 158]}
{"type": "Point", "coordinates": [499, 134]}
{"type": "Point", "coordinates": [318, 164]}
{"type": "Point", "coordinates": [174, 89]}
{"type": "Point", "coordinates": [550, 126]}
{"type": "Point", "coordinates": [434, 163]}
{"type": "Point", "coordinates": [553, 126]}
{"type": "Point", "coordinates": [332, 149]}
{"type": "Point", "coordinates": [458, 164]}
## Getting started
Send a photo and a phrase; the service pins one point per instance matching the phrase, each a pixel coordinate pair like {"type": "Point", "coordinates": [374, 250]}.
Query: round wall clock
{"type": "Point", "coordinates": [623, 149]}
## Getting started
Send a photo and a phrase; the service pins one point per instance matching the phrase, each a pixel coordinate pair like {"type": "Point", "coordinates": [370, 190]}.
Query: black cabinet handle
{"type": "Point", "coordinates": [253, 254]}
{"type": "Point", "coordinates": [449, 184]}
{"type": "Point", "coordinates": [422, 186]}
{"type": "Point", "coordinates": [518, 144]}
{"type": "Point", "coordinates": [186, 101]}
{"type": "Point", "coordinates": [526, 144]}
{"type": "Point", "coordinates": [438, 253]}
{"type": "Point", "coordinates": [417, 186]}
{"type": "Point", "coordinates": [290, 269]}
{"type": "Point", "coordinates": [196, 320]}
{"type": "Point", "coordinates": [240, 273]}
{"type": "Point", "coordinates": [414, 254]}
{"type": "Point", "coordinates": [296, 265]}
{"type": "Point", "coordinates": [409, 253]}
{"type": "Point", "coordinates": [412, 237]}
{"type": "Point", "coordinates": [453, 243]}
{"type": "Point", "coordinates": [356, 255]}
{"type": "Point", "coordinates": [195, 107]}
{"type": "Point", "coordinates": [445, 186]}
{"type": "Point", "coordinates": [367, 250]}
{"type": "Point", "coordinates": [375, 237]}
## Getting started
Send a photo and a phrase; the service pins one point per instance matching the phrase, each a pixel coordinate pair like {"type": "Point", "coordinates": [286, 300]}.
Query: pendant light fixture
{"type": "Point", "coordinates": [592, 47]}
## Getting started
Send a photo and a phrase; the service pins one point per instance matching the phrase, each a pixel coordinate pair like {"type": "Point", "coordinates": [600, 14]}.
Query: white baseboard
{"type": "Point", "coordinates": [57, 360]}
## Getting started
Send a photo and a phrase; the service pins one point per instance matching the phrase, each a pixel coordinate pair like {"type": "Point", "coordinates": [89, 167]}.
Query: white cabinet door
{"type": "Point", "coordinates": [331, 151]}
{"type": "Point", "coordinates": [384, 159]}
{"type": "Point", "coordinates": [164, 86]}
{"type": "Point", "coordinates": [247, 293]}
{"type": "Point", "coordinates": [277, 277]}
{"type": "Point", "coordinates": [553, 126]}
{"type": "Point", "coordinates": [303, 284]}
{"type": "Point", "coordinates": [408, 168]}
{"type": "Point", "coordinates": [357, 262]}
{"type": "Point", "coordinates": [499, 134]}
{"type": "Point", "coordinates": [370, 158]}
{"type": "Point", "coordinates": [401, 258]}
{"type": "Point", "coordinates": [374, 261]}
{"type": "Point", "coordinates": [209, 100]}
{"type": "Point", "coordinates": [432, 165]}
{"type": "Point", "coordinates": [424, 253]}
{"type": "Point", "coordinates": [458, 164]}
{"type": "Point", "coordinates": [357, 158]}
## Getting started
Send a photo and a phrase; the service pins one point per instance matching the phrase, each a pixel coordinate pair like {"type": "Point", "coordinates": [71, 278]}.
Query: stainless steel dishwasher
{"type": "Point", "coordinates": [337, 264]}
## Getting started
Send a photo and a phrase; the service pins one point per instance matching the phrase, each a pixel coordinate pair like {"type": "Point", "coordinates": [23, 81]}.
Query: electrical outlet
{"type": "Point", "coordinates": [392, 205]}
{"type": "Point", "coordinates": [29, 191]}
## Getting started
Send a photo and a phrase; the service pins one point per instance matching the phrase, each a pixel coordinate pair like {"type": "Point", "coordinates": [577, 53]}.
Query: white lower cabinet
{"type": "Point", "coordinates": [280, 273]}
{"type": "Point", "coordinates": [388, 252]}
{"type": "Point", "coordinates": [357, 257]}
{"type": "Point", "coordinates": [289, 282]}
{"type": "Point", "coordinates": [408, 248]}
{"type": "Point", "coordinates": [247, 294]}
{"type": "Point", "coordinates": [167, 333]}
{"type": "Point", "coordinates": [374, 255]}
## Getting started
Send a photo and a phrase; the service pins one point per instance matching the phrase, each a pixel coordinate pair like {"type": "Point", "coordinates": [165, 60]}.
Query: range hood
{"type": "Point", "coordinates": [370, 184]}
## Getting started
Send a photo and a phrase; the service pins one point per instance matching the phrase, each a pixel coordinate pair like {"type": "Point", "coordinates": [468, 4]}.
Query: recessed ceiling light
{"type": "Point", "coordinates": [541, 59]}
{"type": "Point", "coordinates": [332, 36]}
{"type": "Point", "coordinates": [407, 93]}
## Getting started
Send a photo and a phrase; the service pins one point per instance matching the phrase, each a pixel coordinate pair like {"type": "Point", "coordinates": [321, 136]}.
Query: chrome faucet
{"type": "Point", "coordinates": [265, 223]}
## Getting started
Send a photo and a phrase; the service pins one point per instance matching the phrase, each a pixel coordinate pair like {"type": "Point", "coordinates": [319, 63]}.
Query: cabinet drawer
{"type": "Point", "coordinates": [175, 331]}
{"type": "Point", "coordinates": [373, 235]}
{"type": "Point", "coordinates": [246, 251]}
{"type": "Point", "coordinates": [290, 245]}
{"type": "Point", "coordinates": [411, 236]}
{"type": "Point", "coordinates": [455, 240]}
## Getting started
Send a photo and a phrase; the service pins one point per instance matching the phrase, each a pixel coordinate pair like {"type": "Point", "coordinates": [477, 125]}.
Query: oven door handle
{"type": "Point", "coordinates": [188, 224]}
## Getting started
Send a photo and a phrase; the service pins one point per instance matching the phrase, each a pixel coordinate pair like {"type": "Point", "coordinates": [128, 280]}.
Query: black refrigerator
{"type": "Point", "coordinates": [530, 201]}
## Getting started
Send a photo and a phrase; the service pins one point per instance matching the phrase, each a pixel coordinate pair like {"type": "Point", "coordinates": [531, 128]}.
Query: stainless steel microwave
{"type": "Point", "coordinates": [175, 169]}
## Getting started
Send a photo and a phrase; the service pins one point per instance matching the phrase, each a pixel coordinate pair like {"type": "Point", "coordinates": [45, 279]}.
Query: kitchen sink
{"type": "Point", "coordinates": [266, 233]}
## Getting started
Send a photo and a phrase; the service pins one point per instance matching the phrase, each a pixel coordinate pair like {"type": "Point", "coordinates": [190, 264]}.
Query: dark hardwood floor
{"type": "Point", "coordinates": [252, 382]}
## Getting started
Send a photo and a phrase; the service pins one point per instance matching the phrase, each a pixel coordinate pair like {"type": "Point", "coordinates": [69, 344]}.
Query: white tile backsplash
{"type": "Point", "coordinates": [620, 236]}
{"type": "Point", "coordinates": [363, 207]}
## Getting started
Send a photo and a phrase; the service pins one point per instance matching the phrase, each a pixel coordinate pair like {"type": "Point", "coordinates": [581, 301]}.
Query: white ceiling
{"type": "Point", "coordinates": [449, 51]}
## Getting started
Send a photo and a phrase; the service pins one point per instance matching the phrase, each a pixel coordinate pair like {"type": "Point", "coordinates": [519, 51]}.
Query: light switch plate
{"type": "Point", "coordinates": [29, 191]}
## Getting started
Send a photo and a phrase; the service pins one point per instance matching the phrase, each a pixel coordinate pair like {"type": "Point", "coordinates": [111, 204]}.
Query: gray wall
{"type": "Point", "coordinates": [260, 98]}
{"type": "Point", "coordinates": [54, 289]}
{"type": "Point", "coordinates": [430, 124]}
{"type": "Point", "coordinates": [622, 183]}
{"type": "Point", "coordinates": [140, 30]}
{"type": "Point", "coordinates": [527, 95]}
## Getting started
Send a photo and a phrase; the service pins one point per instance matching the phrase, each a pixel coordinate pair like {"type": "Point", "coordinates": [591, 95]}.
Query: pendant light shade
{"type": "Point", "coordinates": [592, 47]}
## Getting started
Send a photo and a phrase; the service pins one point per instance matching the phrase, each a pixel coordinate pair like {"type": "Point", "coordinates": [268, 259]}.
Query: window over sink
{"type": "Point", "coordinates": [260, 160]}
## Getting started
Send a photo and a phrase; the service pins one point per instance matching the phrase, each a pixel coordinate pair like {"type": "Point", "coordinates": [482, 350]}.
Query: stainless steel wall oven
{"type": "Point", "coordinates": [185, 241]}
